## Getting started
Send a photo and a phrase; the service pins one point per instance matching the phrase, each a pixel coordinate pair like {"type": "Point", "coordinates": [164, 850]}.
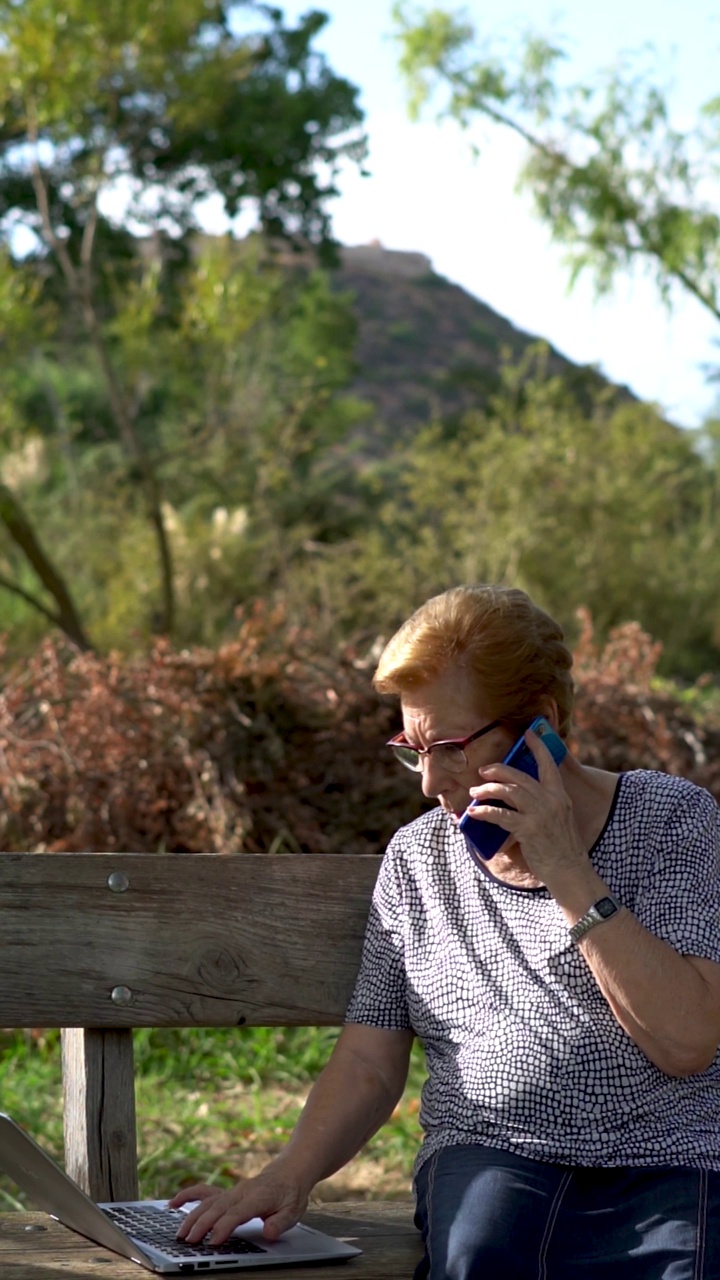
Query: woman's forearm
{"type": "Point", "coordinates": [350, 1100]}
{"type": "Point", "coordinates": [353, 1096]}
{"type": "Point", "coordinates": [658, 996]}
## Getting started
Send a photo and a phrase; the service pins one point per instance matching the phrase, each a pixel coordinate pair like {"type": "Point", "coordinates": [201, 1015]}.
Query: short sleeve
{"type": "Point", "coordinates": [380, 995]}
{"type": "Point", "coordinates": [679, 899]}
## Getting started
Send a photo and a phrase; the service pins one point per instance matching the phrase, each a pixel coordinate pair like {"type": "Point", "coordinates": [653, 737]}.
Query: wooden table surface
{"type": "Point", "coordinates": [35, 1247]}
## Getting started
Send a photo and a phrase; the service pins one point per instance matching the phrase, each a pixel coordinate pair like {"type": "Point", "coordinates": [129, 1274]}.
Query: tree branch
{"type": "Point", "coordinates": [81, 290]}
{"type": "Point", "coordinates": [55, 241]}
{"type": "Point", "coordinates": [23, 534]}
{"type": "Point", "coordinates": [88, 239]}
{"type": "Point", "coordinates": [463, 83]}
{"type": "Point", "coordinates": [30, 599]}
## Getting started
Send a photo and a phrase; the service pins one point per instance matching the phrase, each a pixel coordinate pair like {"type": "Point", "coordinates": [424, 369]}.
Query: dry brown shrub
{"type": "Point", "coordinates": [267, 745]}
{"type": "Point", "coordinates": [262, 745]}
{"type": "Point", "coordinates": [621, 721]}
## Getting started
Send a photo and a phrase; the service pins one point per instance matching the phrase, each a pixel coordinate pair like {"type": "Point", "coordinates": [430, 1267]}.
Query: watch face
{"type": "Point", "coordinates": [605, 907]}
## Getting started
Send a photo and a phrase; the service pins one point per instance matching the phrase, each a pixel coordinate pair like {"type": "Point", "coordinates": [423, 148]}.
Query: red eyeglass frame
{"type": "Point", "coordinates": [400, 741]}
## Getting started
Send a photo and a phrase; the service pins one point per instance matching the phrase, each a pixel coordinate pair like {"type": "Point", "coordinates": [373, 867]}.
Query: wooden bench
{"type": "Point", "coordinates": [100, 944]}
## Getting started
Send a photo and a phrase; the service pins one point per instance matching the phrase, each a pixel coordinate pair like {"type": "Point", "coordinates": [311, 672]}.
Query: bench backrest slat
{"type": "Point", "coordinates": [180, 940]}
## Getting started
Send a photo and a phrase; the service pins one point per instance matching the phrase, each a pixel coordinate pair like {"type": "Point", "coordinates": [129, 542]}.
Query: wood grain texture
{"type": "Point", "coordinates": [197, 940]}
{"type": "Point", "coordinates": [390, 1244]}
{"type": "Point", "coordinates": [194, 940]}
{"type": "Point", "coordinates": [99, 1112]}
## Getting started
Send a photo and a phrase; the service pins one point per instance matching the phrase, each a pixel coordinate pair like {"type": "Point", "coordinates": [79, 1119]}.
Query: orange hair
{"type": "Point", "coordinates": [514, 651]}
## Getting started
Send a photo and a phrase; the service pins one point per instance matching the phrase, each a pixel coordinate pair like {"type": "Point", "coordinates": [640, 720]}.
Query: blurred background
{"type": "Point", "coordinates": [305, 316]}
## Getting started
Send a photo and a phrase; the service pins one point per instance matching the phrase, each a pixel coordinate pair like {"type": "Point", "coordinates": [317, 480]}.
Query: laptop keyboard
{"type": "Point", "coordinates": [158, 1227]}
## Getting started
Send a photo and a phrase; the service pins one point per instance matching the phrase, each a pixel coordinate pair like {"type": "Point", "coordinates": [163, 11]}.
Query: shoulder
{"type": "Point", "coordinates": [669, 810]}
{"type": "Point", "coordinates": [661, 845]}
{"type": "Point", "coordinates": [663, 794]}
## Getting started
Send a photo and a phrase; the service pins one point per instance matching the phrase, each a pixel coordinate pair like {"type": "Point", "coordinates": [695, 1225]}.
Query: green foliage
{"type": "Point", "coordinates": [611, 509]}
{"type": "Point", "coordinates": [608, 507]}
{"type": "Point", "coordinates": [241, 407]}
{"type": "Point", "coordinates": [163, 107]}
{"type": "Point", "coordinates": [175, 414]}
{"type": "Point", "coordinates": [171, 100]}
{"type": "Point", "coordinates": [611, 177]}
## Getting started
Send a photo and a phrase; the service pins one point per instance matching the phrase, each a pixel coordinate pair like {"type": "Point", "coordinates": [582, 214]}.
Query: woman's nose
{"type": "Point", "coordinates": [432, 776]}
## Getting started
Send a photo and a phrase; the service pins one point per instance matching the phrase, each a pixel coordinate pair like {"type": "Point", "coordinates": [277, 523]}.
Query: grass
{"type": "Point", "coordinates": [212, 1106]}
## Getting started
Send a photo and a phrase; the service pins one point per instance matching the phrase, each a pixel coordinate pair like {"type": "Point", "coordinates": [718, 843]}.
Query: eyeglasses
{"type": "Point", "coordinates": [449, 755]}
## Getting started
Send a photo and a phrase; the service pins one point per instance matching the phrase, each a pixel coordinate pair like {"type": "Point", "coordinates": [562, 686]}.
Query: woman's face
{"type": "Point", "coordinates": [446, 708]}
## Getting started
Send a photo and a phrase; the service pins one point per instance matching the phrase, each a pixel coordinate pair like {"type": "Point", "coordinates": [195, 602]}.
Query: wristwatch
{"type": "Point", "coordinates": [599, 911]}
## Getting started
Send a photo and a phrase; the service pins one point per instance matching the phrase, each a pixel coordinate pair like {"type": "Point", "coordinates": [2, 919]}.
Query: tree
{"type": "Point", "coordinates": [252, 420]}
{"type": "Point", "coordinates": [611, 177]}
{"type": "Point", "coordinates": [161, 106]}
{"type": "Point", "coordinates": [609, 507]}
{"type": "Point", "coordinates": [21, 322]}
{"type": "Point", "coordinates": [242, 404]}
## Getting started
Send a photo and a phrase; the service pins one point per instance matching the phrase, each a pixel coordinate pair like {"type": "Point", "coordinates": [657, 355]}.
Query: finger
{"type": "Point", "coordinates": [199, 1192]}
{"type": "Point", "coordinates": [489, 791]}
{"type": "Point", "coordinates": [279, 1222]}
{"type": "Point", "coordinates": [492, 813]}
{"type": "Point", "coordinates": [222, 1216]}
{"type": "Point", "coordinates": [507, 775]}
{"type": "Point", "coordinates": [227, 1222]}
{"type": "Point", "coordinates": [548, 772]}
{"type": "Point", "coordinates": [200, 1221]}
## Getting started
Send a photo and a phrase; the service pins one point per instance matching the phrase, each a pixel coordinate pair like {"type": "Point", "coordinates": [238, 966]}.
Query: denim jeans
{"type": "Point", "coordinates": [492, 1215]}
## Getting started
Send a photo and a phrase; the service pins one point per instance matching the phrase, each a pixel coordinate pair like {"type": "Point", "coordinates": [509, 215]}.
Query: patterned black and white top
{"type": "Point", "coordinates": [523, 1052]}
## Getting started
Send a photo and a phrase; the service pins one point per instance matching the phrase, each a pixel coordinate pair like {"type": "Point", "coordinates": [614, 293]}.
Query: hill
{"type": "Point", "coordinates": [427, 348]}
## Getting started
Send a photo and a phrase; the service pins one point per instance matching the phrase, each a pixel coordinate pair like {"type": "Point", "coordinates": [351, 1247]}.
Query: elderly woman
{"type": "Point", "coordinates": [566, 991]}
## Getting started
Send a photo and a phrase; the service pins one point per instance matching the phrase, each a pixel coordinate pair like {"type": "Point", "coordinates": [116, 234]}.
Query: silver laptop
{"type": "Point", "coordinates": [145, 1230]}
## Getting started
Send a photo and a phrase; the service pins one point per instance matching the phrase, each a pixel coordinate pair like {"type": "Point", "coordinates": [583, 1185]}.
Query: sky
{"type": "Point", "coordinates": [426, 193]}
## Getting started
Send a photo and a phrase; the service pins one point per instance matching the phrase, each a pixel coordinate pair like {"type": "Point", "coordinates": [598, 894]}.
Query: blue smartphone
{"type": "Point", "coordinates": [484, 838]}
